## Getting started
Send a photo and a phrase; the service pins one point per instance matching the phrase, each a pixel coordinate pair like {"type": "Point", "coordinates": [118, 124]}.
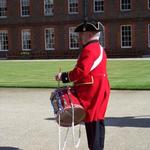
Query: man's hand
{"type": "Point", "coordinates": [58, 77]}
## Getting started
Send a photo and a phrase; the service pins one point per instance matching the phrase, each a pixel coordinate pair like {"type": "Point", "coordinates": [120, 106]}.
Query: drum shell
{"type": "Point", "coordinates": [67, 102]}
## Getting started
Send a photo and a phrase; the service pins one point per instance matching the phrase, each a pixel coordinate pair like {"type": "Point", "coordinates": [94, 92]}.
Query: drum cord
{"type": "Point", "coordinates": [76, 144]}
{"type": "Point", "coordinates": [66, 136]}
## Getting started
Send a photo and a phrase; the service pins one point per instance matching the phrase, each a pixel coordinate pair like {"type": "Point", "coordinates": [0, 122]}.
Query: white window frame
{"type": "Point", "coordinates": [3, 5]}
{"type": "Point", "coordinates": [149, 35]}
{"type": "Point", "coordinates": [121, 9]}
{"type": "Point", "coordinates": [121, 30]}
{"type": "Point", "coordinates": [26, 39]}
{"type": "Point", "coordinates": [94, 6]}
{"type": "Point", "coordinates": [21, 11]}
{"type": "Point", "coordinates": [50, 5]}
{"type": "Point", "coordinates": [148, 2]}
{"type": "Point", "coordinates": [75, 35]}
{"type": "Point", "coordinates": [77, 8]}
{"type": "Point", "coordinates": [4, 39]}
{"type": "Point", "coordinates": [51, 40]}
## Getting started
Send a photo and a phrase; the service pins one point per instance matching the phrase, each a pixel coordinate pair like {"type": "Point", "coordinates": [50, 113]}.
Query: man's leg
{"type": "Point", "coordinates": [95, 135]}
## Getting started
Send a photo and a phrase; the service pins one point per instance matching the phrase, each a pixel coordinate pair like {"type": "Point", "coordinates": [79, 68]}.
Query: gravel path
{"type": "Point", "coordinates": [27, 121]}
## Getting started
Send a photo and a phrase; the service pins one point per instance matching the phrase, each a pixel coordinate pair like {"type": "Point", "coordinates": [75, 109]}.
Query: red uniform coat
{"type": "Point", "coordinates": [91, 82]}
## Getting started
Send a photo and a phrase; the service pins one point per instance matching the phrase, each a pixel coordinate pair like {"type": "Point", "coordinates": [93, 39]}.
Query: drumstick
{"type": "Point", "coordinates": [59, 80]}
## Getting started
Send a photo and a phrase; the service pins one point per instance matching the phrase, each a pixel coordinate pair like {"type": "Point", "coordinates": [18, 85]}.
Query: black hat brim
{"type": "Point", "coordinates": [85, 27]}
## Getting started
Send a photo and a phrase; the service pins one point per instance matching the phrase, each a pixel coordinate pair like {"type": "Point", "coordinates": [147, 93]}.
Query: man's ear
{"type": "Point", "coordinates": [91, 34]}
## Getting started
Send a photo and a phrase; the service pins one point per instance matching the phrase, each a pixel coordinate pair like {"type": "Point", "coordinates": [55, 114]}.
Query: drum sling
{"type": "Point", "coordinates": [68, 112]}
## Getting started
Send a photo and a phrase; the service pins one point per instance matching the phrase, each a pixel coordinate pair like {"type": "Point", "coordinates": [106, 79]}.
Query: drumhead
{"type": "Point", "coordinates": [66, 116]}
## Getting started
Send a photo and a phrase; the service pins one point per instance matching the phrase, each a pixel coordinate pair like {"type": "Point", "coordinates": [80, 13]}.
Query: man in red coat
{"type": "Point", "coordinates": [91, 83]}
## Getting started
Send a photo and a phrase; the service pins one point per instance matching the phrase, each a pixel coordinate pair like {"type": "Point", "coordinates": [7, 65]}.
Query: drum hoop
{"type": "Point", "coordinates": [75, 106]}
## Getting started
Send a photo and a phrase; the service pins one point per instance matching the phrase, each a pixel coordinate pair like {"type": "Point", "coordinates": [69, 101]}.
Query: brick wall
{"type": "Point", "coordinates": [112, 18]}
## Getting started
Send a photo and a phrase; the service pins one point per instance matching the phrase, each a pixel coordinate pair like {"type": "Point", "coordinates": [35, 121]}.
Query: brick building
{"type": "Point", "coordinates": [45, 28]}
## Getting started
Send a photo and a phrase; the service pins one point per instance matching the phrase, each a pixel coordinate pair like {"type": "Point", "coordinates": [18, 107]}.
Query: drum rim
{"type": "Point", "coordinates": [62, 123]}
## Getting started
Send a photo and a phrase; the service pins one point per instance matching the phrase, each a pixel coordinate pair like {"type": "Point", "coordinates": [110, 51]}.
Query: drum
{"type": "Point", "coordinates": [65, 102]}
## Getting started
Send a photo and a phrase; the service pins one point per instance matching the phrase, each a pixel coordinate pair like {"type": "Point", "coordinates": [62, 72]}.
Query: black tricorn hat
{"type": "Point", "coordinates": [87, 26]}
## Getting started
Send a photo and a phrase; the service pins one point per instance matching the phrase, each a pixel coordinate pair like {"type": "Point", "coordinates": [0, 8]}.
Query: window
{"type": "Point", "coordinates": [26, 39]}
{"type": "Point", "coordinates": [73, 39]}
{"type": "Point", "coordinates": [126, 39]}
{"type": "Point", "coordinates": [25, 8]}
{"type": "Point", "coordinates": [3, 9]}
{"type": "Point", "coordinates": [149, 35]}
{"type": "Point", "coordinates": [48, 7]}
{"type": "Point", "coordinates": [73, 6]}
{"type": "Point", "coordinates": [98, 5]}
{"type": "Point", "coordinates": [125, 5]}
{"type": "Point", "coordinates": [49, 39]}
{"type": "Point", "coordinates": [3, 40]}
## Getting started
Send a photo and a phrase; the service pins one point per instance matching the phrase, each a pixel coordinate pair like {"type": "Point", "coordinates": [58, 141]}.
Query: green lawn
{"type": "Point", "coordinates": [123, 74]}
{"type": "Point", "coordinates": [129, 74]}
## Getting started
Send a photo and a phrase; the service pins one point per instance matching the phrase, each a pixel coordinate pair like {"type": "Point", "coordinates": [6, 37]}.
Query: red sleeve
{"type": "Point", "coordinates": [83, 65]}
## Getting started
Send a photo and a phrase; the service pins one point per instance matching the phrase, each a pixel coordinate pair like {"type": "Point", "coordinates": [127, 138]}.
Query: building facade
{"type": "Point", "coordinates": [45, 28]}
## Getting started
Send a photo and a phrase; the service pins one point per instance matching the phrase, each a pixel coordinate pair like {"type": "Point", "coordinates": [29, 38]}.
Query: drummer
{"type": "Point", "coordinates": [91, 82]}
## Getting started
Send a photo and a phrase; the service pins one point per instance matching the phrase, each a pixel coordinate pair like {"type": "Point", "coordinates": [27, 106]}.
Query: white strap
{"type": "Point", "coordinates": [98, 60]}
{"type": "Point", "coordinates": [59, 136]}
{"type": "Point", "coordinates": [76, 144]}
{"type": "Point", "coordinates": [66, 136]}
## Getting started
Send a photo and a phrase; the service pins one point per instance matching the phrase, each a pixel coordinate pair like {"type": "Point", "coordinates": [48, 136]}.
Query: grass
{"type": "Point", "coordinates": [129, 74]}
{"type": "Point", "coordinates": [123, 74]}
